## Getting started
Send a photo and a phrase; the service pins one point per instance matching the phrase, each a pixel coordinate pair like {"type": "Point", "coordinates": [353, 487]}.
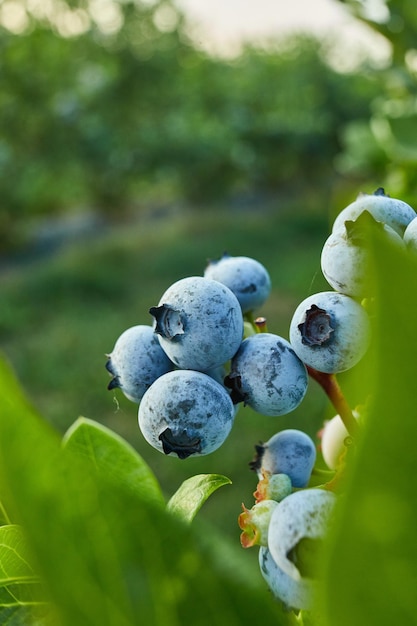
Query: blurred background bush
{"type": "Point", "coordinates": [109, 105]}
{"type": "Point", "coordinates": [150, 156]}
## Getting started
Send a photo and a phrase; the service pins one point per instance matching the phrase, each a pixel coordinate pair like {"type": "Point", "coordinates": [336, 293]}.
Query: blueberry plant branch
{"type": "Point", "coordinates": [331, 387]}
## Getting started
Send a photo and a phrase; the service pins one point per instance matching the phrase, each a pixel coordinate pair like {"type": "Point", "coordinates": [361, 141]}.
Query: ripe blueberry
{"type": "Point", "coordinates": [184, 413]}
{"type": "Point", "coordinates": [199, 323]}
{"type": "Point", "coordinates": [136, 361]}
{"type": "Point", "coordinates": [291, 452]}
{"type": "Point", "coordinates": [267, 375]}
{"type": "Point", "coordinates": [246, 277]}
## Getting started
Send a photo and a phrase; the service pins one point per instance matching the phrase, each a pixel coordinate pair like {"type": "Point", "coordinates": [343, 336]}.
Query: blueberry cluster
{"type": "Point", "coordinates": [289, 519]}
{"type": "Point", "coordinates": [201, 358]}
{"type": "Point", "coordinates": [205, 354]}
{"type": "Point", "coordinates": [330, 333]}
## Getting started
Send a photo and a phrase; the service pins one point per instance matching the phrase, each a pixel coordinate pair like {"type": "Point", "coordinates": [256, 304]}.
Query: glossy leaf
{"type": "Point", "coordinates": [191, 495]}
{"type": "Point", "coordinates": [113, 458]}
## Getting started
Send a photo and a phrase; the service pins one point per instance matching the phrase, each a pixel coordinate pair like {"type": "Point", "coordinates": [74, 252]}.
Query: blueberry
{"type": "Point", "coordinates": [347, 259]}
{"type": "Point", "coordinates": [184, 413]}
{"type": "Point", "coordinates": [254, 523]}
{"type": "Point", "coordinates": [294, 594]}
{"type": "Point", "coordinates": [330, 331]}
{"type": "Point", "coordinates": [297, 527]}
{"type": "Point", "coordinates": [246, 277]}
{"type": "Point", "coordinates": [272, 486]}
{"type": "Point", "coordinates": [267, 375]}
{"type": "Point", "coordinates": [199, 322]}
{"type": "Point", "coordinates": [290, 452]}
{"type": "Point", "coordinates": [334, 439]}
{"type": "Point", "coordinates": [136, 361]}
{"type": "Point", "coordinates": [396, 213]}
{"type": "Point", "coordinates": [410, 235]}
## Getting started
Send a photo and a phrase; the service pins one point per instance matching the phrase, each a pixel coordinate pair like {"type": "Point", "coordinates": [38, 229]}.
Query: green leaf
{"type": "Point", "coordinates": [372, 553]}
{"type": "Point", "coordinates": [25, 616]}
{"type": "Point", "coordinates": [4, 518]}
{"type": "Point", "coordinates": [108, 556]}
{"type": "Point", "coordinates": [113, 458]}
{"type": "Point", "coordinates": [404, 137]}
{"type": "Point", "coordinates": [21, 593]}
{"type": "Point", "coordinates": [191, 495]}
{"type": "Point", "coordinates": [15, 568]}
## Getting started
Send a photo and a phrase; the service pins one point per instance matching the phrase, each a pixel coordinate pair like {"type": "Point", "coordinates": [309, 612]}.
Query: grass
{"type": "Point", "coordinates": [61, 316]}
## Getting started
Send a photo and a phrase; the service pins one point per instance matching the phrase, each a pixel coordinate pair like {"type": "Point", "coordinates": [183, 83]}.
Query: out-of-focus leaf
{"type": "Point", "coordinates": [25, 616]}
{"type": "Point", "coordinates": [114, 459]}
{"type": "Point", "coordinates": [404, 137]}
{"type": "Point", "coordinates": [372, 555]}
{"type": "Point", "coordinates": [4, 519]}
{"type": "Point", "coordinates": [191, 495]}
{"type": "Point", "coordinates": [14, 561]}
{"type": "Point", "coordinates": [106, 556]}
{"type": "Point", "coordinates": [21, 593]}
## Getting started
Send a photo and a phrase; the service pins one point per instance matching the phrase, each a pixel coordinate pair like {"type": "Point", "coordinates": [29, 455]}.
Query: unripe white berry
{"type": "Point", "coordinates": [347, 259]}
{"type": "Point", "coordinates": [396, 213]}
{"type": "Point", "coordinates": [333, 440]}
{"type": "Point", "coordinates": [410, 235]}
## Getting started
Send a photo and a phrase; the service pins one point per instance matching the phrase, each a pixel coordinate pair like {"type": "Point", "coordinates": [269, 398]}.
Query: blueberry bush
{"type": "Point", "coordinates": [87, 536]}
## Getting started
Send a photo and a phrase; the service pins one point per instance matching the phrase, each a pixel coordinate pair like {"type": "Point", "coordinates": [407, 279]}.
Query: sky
{"type": "Point", "coordinates": [221, 25]}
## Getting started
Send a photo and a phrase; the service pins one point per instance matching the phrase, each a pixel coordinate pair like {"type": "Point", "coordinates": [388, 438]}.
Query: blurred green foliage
{"type": "Point", "coordinates": [98, 545]}
{"type": "Point", "coordinates": [384, 147]}
{"type": "Point", "coordinates": [372, 553]}
{"type": "Point", "coordinates": [125, 111]}
{"type": "Point", "coordinates": [60, 316]}
{"type": "Point", "coordinates": [120, 116]}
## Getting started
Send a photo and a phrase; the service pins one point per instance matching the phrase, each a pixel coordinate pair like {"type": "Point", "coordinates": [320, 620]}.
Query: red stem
{"type": "Point", "coordinates": [331, 387]}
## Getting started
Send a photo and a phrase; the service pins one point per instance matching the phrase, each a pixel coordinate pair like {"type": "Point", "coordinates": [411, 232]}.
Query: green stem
{"type": "Point", "coordinates": [248, 317]}
{"type": "Point", "coordinates": [321, 477]}
{"type": "Point", "coordinates": [330, 385]}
